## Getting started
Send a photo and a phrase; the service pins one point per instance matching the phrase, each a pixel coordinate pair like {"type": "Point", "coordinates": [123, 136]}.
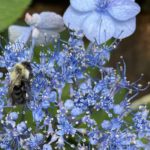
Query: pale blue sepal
{"type": "Point", "coordinates": [19, 33]}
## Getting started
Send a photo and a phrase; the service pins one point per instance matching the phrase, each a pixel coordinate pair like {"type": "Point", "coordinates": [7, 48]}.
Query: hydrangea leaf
{"type": "Point", "coordinates": [10, 11]}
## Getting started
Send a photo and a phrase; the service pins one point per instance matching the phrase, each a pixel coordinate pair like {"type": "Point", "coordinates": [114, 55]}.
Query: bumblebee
{"type": "Point", "coordinates": [20, 83]}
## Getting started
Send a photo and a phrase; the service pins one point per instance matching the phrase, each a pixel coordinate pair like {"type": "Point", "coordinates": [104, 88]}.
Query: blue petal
{"type": "Point", "coordinates": [98, 27]}
{"type": "Point", "coordinates": [19, 33]}
{"type": "Point", "coordinates": [51, 20]}
{"type": "Point", "coordinates": [118, 109]}
{"type": "Point", "coordinates": [69, 104]}
{"type": "Point", "coordinates": [74, 19]}
{"type": "Point", "coordinates": [47, 147]}
{"type": "Point", "coordinates": [123, 10]}
{"type": "Point", "coordinates": [83, 5]}
{"type": "Point", "coordinates": [76, 111]}
{"type": "Point", "coordinates": [24, 38]}
{"type": "Point", "coordinates": [124, 28]}
{"type": "Point", "coordinates": [19, 36]}
{"type": "Point", "coordinates": [106, 124]}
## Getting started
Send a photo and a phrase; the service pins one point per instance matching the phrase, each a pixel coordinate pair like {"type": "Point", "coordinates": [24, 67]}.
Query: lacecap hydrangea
{"type": "Point", "coordinates": [71, 107]}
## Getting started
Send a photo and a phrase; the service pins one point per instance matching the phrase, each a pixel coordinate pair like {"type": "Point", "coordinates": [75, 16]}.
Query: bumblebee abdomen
{"type": "Point", "coordinates": [19, 94]}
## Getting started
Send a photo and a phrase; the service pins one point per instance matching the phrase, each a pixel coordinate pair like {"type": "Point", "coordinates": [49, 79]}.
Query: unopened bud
{"type": "Point", "coordinates": [28, 18]}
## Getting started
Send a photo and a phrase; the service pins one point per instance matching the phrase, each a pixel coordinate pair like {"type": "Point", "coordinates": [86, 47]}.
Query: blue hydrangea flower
{"type": "Point", "coordinates": [38, 114]}
{"type": "Point", "coordinates": [34, 141]}
{"type": "Point", "coordinates": [66, 96]}
{"type": "Point", "coordinates": [101, 20]}
{"type": "Point", "coordinates": [21, 128]}
{"type": "Point", "coordinates": [47, 147]}
{"type": "Point", "coordinates": [69, 104]}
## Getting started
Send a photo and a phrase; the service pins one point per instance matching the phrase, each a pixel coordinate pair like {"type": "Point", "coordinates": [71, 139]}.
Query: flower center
{"type": "Point", "coordinates": [102, 5]}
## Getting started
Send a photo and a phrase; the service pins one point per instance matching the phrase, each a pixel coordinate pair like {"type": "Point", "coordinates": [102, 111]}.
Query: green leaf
{"type": "Point", "coordinates": [10, 11]}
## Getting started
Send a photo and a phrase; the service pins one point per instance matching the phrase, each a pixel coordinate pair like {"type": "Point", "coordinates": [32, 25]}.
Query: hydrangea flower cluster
{"type": "Point", "coordinates": [59, 122]}
{"type": "Point", "coordinates": [69, 102]}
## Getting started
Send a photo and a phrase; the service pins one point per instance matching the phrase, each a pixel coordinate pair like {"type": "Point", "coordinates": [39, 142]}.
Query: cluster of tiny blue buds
{"type": "Point", "coordinates": [74, 100]}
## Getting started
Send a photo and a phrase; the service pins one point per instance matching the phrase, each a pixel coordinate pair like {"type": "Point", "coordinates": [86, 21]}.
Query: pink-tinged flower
{"type": "Point", "coordinates": [100, 20]}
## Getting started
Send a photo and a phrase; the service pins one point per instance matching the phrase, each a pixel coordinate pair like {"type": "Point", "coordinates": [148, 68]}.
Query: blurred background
{"type": "Point", "coordinates": [135, 49]}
